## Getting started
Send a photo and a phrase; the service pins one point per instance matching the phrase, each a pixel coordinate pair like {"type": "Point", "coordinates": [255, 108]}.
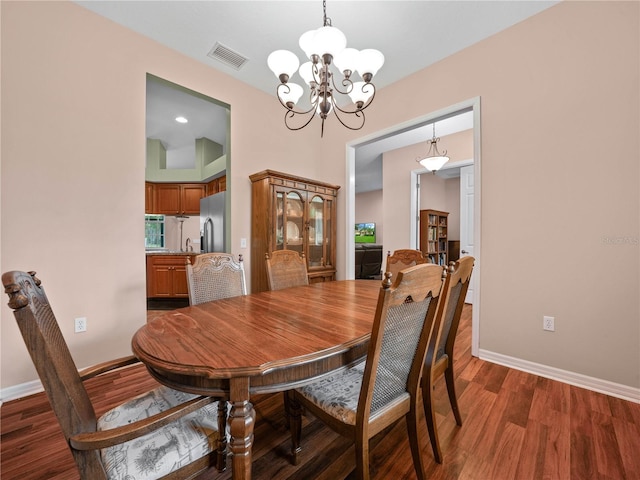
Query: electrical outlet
{"type": "Point", "coordinates": [81, 324]}
{"type": "Point", "coordinates": [549, 323]}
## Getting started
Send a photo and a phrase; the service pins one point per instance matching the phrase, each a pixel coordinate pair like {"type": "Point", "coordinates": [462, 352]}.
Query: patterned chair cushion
{"type": "Point", "coordinates": [338, 394]}
{"type": "Point", "coordinates": [164, 450]}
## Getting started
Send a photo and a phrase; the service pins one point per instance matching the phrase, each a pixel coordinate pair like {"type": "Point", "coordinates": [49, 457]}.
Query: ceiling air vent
{"type": "Point", "coordinates": [227, 56]}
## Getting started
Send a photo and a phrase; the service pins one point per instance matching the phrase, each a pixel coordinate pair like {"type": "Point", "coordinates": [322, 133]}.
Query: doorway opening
{"type": "Point", "coordinates": [410, 212]}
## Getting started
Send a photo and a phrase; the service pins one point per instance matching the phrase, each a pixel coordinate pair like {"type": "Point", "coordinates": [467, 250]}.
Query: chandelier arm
{"type": "Point", "coordinates": [357, 113]}
{"type": "Point", "coordinates": [346, 82]}
{"type": "Point", "coordinates": [290, 114]}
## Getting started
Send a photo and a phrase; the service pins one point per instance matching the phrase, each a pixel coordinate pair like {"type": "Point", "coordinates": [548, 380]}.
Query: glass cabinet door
{"type": "Point", "coordinates": [319, 232]}
{"type": "Point", "coordinates": [289, 221]}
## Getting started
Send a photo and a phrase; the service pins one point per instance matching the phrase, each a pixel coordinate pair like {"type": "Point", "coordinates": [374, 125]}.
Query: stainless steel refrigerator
{"type": "Point", "coordinates": [212, 213]}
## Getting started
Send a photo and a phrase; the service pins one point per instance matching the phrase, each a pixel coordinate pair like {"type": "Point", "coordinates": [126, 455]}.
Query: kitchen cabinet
{"type": "Point", "coordinates": [167, 276]}
{"type": "Point", "coordinates": [217, 185]}
{"type": "Point", "coordinates": [178, 198]}
{"type": "Point", "coordinates": [148, 197]}
{"type": "Point", "coordinates": [292, 213]}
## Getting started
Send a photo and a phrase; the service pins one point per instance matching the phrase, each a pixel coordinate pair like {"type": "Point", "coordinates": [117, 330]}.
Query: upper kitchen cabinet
{"type": "Point", "coordinates": [217, 185]}
{"type": "Point", "coordinates": [178, 199]}
{"type": "Point", "coordinates": [148, 197]}
{"type": "Point", "coordinates": [293, 213]}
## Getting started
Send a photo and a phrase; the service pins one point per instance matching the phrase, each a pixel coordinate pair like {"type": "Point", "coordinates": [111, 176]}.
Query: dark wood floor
{"type": "Point", "coordinates": [515, 426]}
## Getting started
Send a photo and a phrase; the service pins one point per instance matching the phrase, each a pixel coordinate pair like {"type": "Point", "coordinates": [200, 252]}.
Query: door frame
{"type": "Point", "coordinates": [350, 153]}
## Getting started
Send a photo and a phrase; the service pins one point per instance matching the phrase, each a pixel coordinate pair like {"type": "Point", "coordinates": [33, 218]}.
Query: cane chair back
{"type": "Point", "coordinates": [363, 400]}
{"type": "Point", "coordinates": [439, 360]}
{"type": "Point", "coordinates": [214, 276]}
{"type": "Point", "coordinates": [161, 434]}
{"type": "Point", "coordinates": [402, 259]}
{"type": "Point", "coordinates": [285, 269]}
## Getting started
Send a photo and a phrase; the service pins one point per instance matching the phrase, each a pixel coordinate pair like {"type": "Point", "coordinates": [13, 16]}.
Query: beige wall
{"type": "Point", "coordinates": [554, 189]}
{"type": "Point", "coordinates": [73, 160]}
{"type": "Point", "coordinates": [73, 171]}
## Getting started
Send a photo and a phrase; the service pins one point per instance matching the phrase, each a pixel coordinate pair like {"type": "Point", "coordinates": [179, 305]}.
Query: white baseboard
{"type": "Point", "coordinates": [618, 390]}
{"type": "Point", "coordinates": [19, 391]}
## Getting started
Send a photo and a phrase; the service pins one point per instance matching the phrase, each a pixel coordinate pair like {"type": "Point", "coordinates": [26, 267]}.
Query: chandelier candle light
{"type": "Point", "coordinates": [434, 159]}
{"type": "Point", "coordinates": [324, 47]}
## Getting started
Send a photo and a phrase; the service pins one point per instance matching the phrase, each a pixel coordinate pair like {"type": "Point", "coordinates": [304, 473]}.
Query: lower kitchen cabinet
{"type": "Point", "coordinates": [167, 276]}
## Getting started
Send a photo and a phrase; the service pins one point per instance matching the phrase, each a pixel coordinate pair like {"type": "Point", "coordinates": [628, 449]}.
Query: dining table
{"type": "Point", "coordinates": [263, 342]}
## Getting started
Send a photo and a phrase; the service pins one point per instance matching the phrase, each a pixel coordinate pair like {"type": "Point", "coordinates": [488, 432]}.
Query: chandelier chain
{"type": "Point", "coordinates": [326, 20]}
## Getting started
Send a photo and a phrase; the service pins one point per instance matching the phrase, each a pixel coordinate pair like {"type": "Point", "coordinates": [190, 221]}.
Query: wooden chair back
{"type": "Point", "coordinates": [402, 326]}
{"type": "Point", "coordinates": [214, 276]}
{"type": "Point", "coordinates": [455, 290]}
{"type": "Point", "coordinates": [402, 259]}
{"type": "Point", "coordinates": [105, 447]}
{"type": "Point", "coordinates": [439, 358]}
{"type": "Point", "coordinates": [53, 362]}
{"type": "Point", "coordinates": [285, 269]}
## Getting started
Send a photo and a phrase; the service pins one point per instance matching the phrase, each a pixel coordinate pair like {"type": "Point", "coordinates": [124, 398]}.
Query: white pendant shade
{"type": "Point", "coordinates": [329, 40]}
{"type": "Point", "coordinates": [306, 42]}
{"type": "Point", "coordinates": [306, 72]}
{"type": "Point", "coordinates": [347, 59]}
{"type": "Point", "coordinates": [434, 163]}
{"type": "Point", "coordinates": [370, 61]}
{"type": "Point", "coordinates": [283, 61]}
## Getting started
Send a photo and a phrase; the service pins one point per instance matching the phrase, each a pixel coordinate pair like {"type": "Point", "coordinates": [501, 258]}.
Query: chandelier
{"type": "Point", "coordinates": [324, 47]}
{"type": "Point", "coordinates": [434, 159]}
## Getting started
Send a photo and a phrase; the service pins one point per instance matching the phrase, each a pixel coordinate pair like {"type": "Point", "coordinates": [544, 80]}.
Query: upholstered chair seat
{"type": "Point", "coordinates": [164, 450]}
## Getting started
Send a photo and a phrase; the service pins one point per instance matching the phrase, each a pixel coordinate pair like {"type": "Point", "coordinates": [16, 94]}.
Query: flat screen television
{"type": "Point", "coordinates": [365, 233]}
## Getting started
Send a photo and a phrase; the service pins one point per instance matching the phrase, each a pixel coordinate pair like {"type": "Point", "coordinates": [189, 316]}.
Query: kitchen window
{"type": "Point", "coordinates": [154, 231]}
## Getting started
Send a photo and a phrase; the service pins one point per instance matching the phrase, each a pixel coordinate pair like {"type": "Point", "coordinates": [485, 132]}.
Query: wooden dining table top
{"type": "Point", "coordinates": [258, 343]}
{"type": "Point", "coordinates": [274, 337]}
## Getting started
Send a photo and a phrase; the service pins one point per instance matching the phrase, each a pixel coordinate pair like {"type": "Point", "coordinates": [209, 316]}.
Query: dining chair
{"type": "Point", "coordinates": [286, 268]}
{"type": "Point", "coordinates": [402, 259]}
{"type": "Point", "coordinates": [161, 434]}
{"type": "Point", "coordinates": [439, 359]}
{"type": "Point", "coordinates": [362, 400]}
{"type": "Point", "coordinates": [214, 276]}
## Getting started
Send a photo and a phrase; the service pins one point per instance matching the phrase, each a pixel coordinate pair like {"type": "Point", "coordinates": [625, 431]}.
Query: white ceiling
{"type": "Point", "coordinates": [411, 34]}
{"type": "Point", "coordinates": [205, 118]}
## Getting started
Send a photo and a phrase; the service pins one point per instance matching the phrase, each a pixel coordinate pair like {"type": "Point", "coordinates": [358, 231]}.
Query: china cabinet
{"type": "Point", "coordinates": [292, 213]}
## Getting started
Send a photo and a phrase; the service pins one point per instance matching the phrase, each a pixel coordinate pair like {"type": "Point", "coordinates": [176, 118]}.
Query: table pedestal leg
{"type": "Point", "coordinates": [241, 421]}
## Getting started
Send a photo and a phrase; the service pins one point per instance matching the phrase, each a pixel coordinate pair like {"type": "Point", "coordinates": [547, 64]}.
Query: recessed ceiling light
{"type": "Point", "coordinates": [181, 120]}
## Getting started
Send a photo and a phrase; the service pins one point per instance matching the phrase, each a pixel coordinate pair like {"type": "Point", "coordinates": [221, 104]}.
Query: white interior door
{"type": "Point", "coordinates": [466, 221]}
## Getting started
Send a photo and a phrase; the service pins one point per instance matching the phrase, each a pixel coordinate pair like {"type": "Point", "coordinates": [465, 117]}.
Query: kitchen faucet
{"type": "Point", "coordinates": [188, 246]}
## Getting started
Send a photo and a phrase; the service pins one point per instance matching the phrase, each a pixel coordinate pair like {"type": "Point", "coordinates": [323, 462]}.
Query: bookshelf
{"type": "Point", "coordinates": [433, 235]}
